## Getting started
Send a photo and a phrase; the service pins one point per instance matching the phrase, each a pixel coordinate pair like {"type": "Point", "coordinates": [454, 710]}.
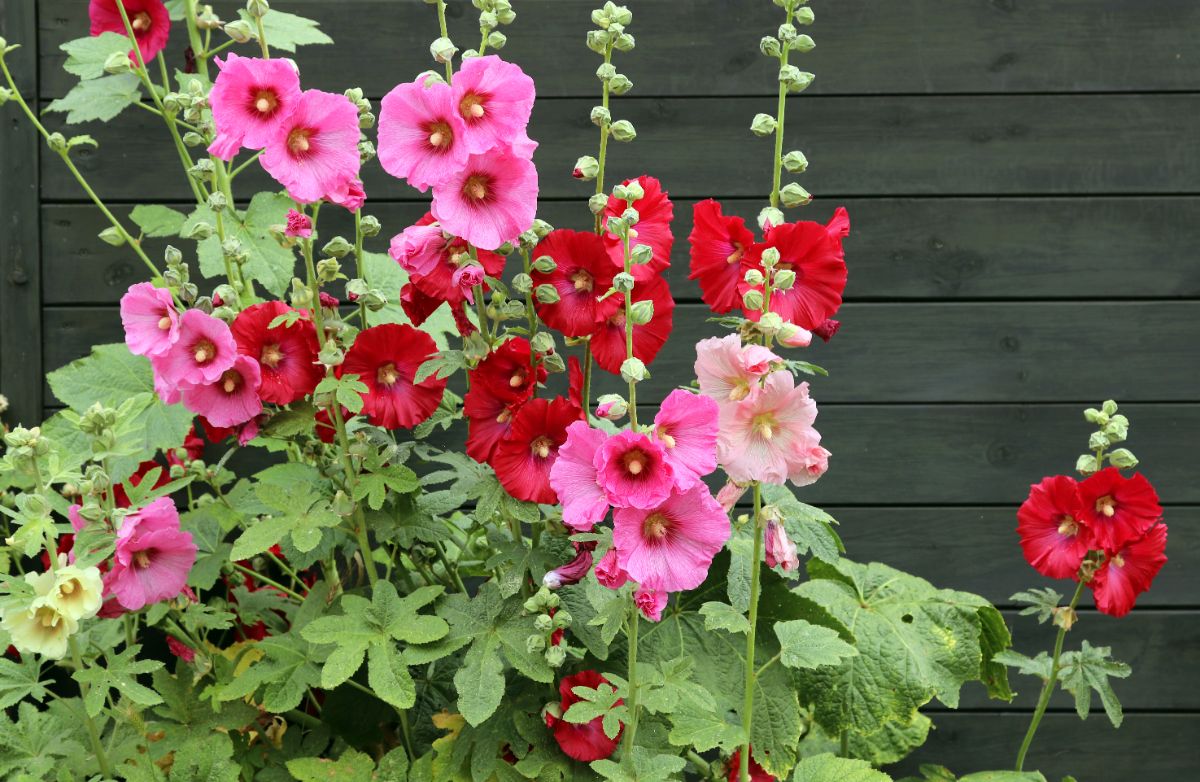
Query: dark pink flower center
{"type": "Point", "coordinates": [635, 461]}
{"type": "Point", "coordinates": [265, 101]}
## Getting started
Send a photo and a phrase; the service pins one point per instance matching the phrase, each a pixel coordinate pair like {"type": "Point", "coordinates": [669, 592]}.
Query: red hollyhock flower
{"type": "Point", "coordinates": [585, 741]}
{"type": "Point", "coordinates": [417, 305]}
{"type": "Point", "coordinates": [827, 329]}
{"type": "Point", "coordinates": [757, 772]}
{"type": "Point", "coordinates": [575, 383]}
{"type": "Point", "coordinates": [655, 212]}
{"type": "Point", "coordinates": [814, 252]}
{"type": "Point", "coordinates": [608, 343]}
{"type": "Point", "coordinates": [507, 372]}
{"type": "Point", "coordinates": [439, 283]}
{"type": "Point", "coordinates": [1129, 571]}
{"type": "Point", "coordinates": [582, 275]}
{"type": "Point", "coordinates": [149, 19]}
{"type": "Point", "coordinates": [180, 649]}
{"type": "Point", "coordinates": [718, 243]}
{"type": "Point", "coordinates": [522, 460]}
{"type": "Point", "coordinates": [286, 355]}
{"type": "Point", "coordinates": [386, 359]}
{"type": "Point", "coordinates": [1053, 537]}
{"type": "Point", "coordinates": [1118, 509]}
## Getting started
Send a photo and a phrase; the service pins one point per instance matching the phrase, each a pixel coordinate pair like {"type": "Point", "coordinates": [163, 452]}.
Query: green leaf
{"type": "Point", "coordinates": [1032, 666]}
{"type": "Point", "coordinates": [86, 56]}
{"type": "Point", "coordinates": [805, 645]}
{"type": "Point", "coordinates": [1090, 669]}
{"type": "Point", "coordinates": [205, 758]}
{"type": "Point", "coordinates": [648, 766]}
{"type": "Point", "coordinates": [352, 766]}
{"type": "Point", "coordinates": [267, 262]}
{"type": "Point", "coordinates": [157, 220]}
{"type": "Point", "coordinates": [1040, 602]}
{"type": "Point", "coordinates": [388, 676]}
{"type": "Point", "coordinates": [374, 486]}
{"type": "Point", "coordinates": [741, 564]}
{"type": "Point", "coordinates": [1004, 776]}
{"type": "Point", "coordinates": [21, 680]}
{"type": "Point", "coordinates": [827, 768]}
{"type": "Point", "coordinates": [303, 516]}
{"type": "Point", "coordinates": [722, 616]}
{"type": "Point", "coordinates": [121, 675]}
{"type": "Point", "coordinates": [287, 31]}
{"type": "Point", "coordinates": [704, 730]}
{"type": "Point", "coordinates": [99, 99]}
{"type": "Point", "coordinates": [480, 680]}
{"type": "Point", "coordinates": [810, 528]}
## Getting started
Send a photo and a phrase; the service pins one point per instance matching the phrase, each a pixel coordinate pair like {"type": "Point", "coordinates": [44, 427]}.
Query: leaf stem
{"type": "Point", "coordinates": [268, 581]}
{"type": "Point", "coordinates": [751, 675]}
{"type": "Point", "coordinates": [89, 723]}
{"type": "Point", "coordinates": [631, 727]}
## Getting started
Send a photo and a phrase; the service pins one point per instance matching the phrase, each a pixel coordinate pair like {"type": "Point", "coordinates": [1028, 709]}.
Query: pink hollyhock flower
{"type": "Point", "coordinates": [1054, 536]}
{"type": "Point", "coordinates": [250, 98]}
{"type": "Point", "coordinates": [153, 557]}
{"type": "Point", "coordinates": [572, 572]}
{"type": "Point", "coordinates": [729, 372]}
{"type": "Point", "coordinates": [421, 135]}
{"type": "Point", "coordinates": [768, 436]}
{"type": "Point", "coordinates": [523, 146]}
{"type": "Point", "coordinates": [418, 248]}
{"type": "Point", "coordinates": [813, 463]}
{"type": "Point", "coordinates": [168, 392]}
{"type": "Point", "coordinates": [793, 336]}
{"type": "Point", "coordinates": [651, 602]}
{"type": "Point", "coordinates": [149, 19]}
{"type": "Point", "coordinates": [686, 425]}
{"type": "Point", "coordinates": [609, 572]}
{"type": "Point", "coordinates": [489, 200]}
{"type": "Point", "coordinates": [202, 352]}
{"type": "Point", "coordinates": [314, 151]}
{"type": "Point", "coordinates": [494, 99]}
{"type": "Point", "coordinates": [574, 478]}
{"type": "Point", "coordinates": [150, 319]}
{"type": "Point", "coordinates": [1129, 571]}
{"type": "Point", "coordinates": [298, 225]}
{"type": "Point", "coordinates": [780, 550]}
{"type": "Point", "coordinates": [466, 277]}
{"type": "Point", "coordinates": [633, 470]}
{"type": "Point", "coordinates": [349, 195]}
{"type": "Point", "coordinates": [671, 547]}
{"type": "Point", "coordinates": [232, 399]}
{"type": "Point", "coordinates": [655, 212]}
{"type": "Point", "coordinates": [729, 495]}
{"type": "Point", "coordinates": [1118, 509]}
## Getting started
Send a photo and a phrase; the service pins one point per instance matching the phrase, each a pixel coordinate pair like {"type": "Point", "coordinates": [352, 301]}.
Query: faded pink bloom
{"type": "Point", "coordinates": [204, 349]}
{"type": "Point", "coordinates": [573, 571]}
{"type": "Point", "coordinates": [651, 602]}
{"type": "Point", "coordinates": [769, 435]}
{"type": "Point", "coordinates": [729, 495]}
{"type": "Point", "coordinates": [250, 99]}
{"type": "Point", "coordinates": [671, 547]}
{"type": "Point", "coordinates": [349, 195]}
{"type": "Point", "coordinates": [150, 319]}
{"type": "Point", "coordinates": [634, 471]}
{"type": "Point", "coordinates": [729, 372]}
{"type": "Point", "coordinates": [686, 425]}
{"type": "Point", "coordinates": [230, 400]}
{"type": "Point", "coordinates": [180, 649]}
{"type": "Point", "coordinates": [298, 225]}
{"type": "Point", "coordinates": [609, 572]}
{"type": "Point", "coordinates": [466, 277]}
{"type": "Point", "coordinates": [489, 200]}
{"type": "Point", "coordinates": [153, 557]}
{"type": "Point", "coordinates": [780, 550]}
{"type": "Point", "coordinates": [418, 248]}
{"type": "Point", "coordinates": [494, 99]}
{"type": "Point", "coordinates": [314, 151]}
{"type": "Point", "coordinates": [815, 463]}
{"type": "Point", "coordinates": [421, 135]}
{"type": "Point", "coordinates": [573, 478]}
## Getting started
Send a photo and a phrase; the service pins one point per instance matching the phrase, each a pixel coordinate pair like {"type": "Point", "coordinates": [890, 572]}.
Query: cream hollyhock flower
{"type": "Point", "coordinates": [39, 628]}
{"type": "Point", "coordinates": [77, 592]}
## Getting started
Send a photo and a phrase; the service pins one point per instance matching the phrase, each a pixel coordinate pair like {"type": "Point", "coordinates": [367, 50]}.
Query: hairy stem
{"type": "Point", "coordinates": [604, 133]}
{"type": "Point", "coordinates": [445, 31]}
{"type": "Point", "coordinates": [631, 726]}
{"type": "Point", "coordinates": [781, 107]}
{"type": "Point", "coordinates": [361, 265]}
{"type": "Point", "coordinates": [748, 692]}
{"type": "Point", "coordinates": [89, 723]}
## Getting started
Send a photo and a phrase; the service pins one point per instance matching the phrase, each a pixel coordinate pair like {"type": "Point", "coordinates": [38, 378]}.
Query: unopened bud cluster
{"type": "Point", "coordinates": [549, 619]}
{"type": "Point", "coordinates": [1111, 428]}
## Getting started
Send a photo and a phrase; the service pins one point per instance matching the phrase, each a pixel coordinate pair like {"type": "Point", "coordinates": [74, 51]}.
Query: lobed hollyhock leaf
{"type": "Point", "coordinates": [287, 31]}
{"type": "Point", "coordinates": [157, 220]}
{"type": "Point", "coordinates": [86, 56]}
{"type": "Point", "coordinates": [820, 768]}
{"type": "Point", "coordinates": [804, 645]}
{"type": "Point", "coordinates": [99, 99]}
{"type": "Point", "coordinates": [352, 766]}
{"type": "Point", "coordinates": [1090, 669]}
{"type": "Point", "coordinates": [267, 262]}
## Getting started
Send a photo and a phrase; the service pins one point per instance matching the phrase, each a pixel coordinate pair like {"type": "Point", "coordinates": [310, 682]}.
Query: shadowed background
{"type": "Point", "coordinates": [1023, 181]}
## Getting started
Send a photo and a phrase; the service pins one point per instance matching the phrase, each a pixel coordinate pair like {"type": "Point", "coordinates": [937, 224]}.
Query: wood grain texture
{"type": "Point", "coordinates": [898, 249]}
{"type": "Point", "coordinates": [709, 47]}
{"type": "Point", "coordinates": [974, 145]}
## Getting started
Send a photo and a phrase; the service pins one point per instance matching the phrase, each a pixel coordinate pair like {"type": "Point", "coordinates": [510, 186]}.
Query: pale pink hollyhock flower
{"type": "Point", "coordinates": [780, 550]}
{"type": "Point", "coordinates": [418, 248]}
{"type": "Point", "coordinates": [150, 319]}
{"type": "Point", "coordinates": [315, 150]}
{"type": "Point", "coordinates": [727, 371]}
{"type": "Point", "coordinates": [489, 200]}
{"type": "Point", "coordinates": [421, 135]}
{"type": "Point", "coordinates": [573, 478]}
{"type": "Point", "coordinates": [298, 225]}
{"type": "Point", "coordinates": [466, 277]}
{"type": "Point", "coordinates": [494, 99]}
{"type": "Point", "coordinates": [634, 471]}
{"type": "Point", "coordinates": [203, 351]}
{"type": "Point", "coordinates": [250, 98]}
{"type": "Point", "coordinates": [814, 464]}
{"type": "Point", "coordinates": [651, 602]}
{"type": "Point", "coordinates": [609, 572]}
{"type": "Point", "coordinates": [768, 436]}
{"type": "Point", "coordinates": [793, 336]}
{"type": "Point", "coordinates": [153, 557]}
{"type": "Point", "coordinates": [349, 195]}
{"type": "Point", "coordinates": [729, 495]}
{"type": "Point", "coordinates": [230, 400]}
{"type": "Point", "coordinates": [671, 547]}
{"type": "Point", "coordinates": [686, 425]}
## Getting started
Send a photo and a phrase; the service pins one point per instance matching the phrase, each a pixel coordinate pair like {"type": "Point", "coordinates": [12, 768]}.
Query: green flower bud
{"type": "Point", "coordinates": [771, 323]}
{"type": "Point", "coordinates": [763, 125]}
{"type": "Point", "coordinates": [1092, 415]}
{"type": "Point", "coordinates": [795, 162]}
{"type": "Point", "coordinates": [611, 407]}
{"type": "Point", "coordinates": [226, 314]}
{"type": "Point", "coordinates": [544, 623]}
{"type": "Point", "coordinates": [232, 249]}
{"type": "Point", "coordinates": [769, 45]}
{"type": "Point", "coordinates": [57, 142]}
{"type": "Point", "coordinates": [488, 21]}
{"type": "Point", "coordinates": [641, 255]}
{"type": "Point", "coordinates": [534, 644]}
{"type": "Point", "coordinates": [193, 139]}
{"type": "Point", "coordinates": [623, 282]}
{"type": "Point", "coordinates": [770, 257]}
{"type": "Point", "coordinates": [1098, 440]}
{"type": "Point", "coordinates": [624, 42]}
{"type": "Point", "coordinates": [1117, 428]}
{"type": "Point", "coordinates": [442, 50]}
{"type": "Point", "coordinates": [118, 62]}
{"type": "Point", "coordinates": [257, 8]}
{"type": "Point", "coordinates": [172, 255]}
{"type": "Point", "coordinates": [337, 247]}
{"type": "Point", "coordinates": [366, 120]}
{"type": "Point", "coordinates": [200, 231]}
{"type": "Point", "coordinates": [803, 16]}
{"type": "Point", "coordinates": [752, 300]}
{"type": "Point", "coordinates": [366, 151]}
{"type": "Point", "coordinates": [547, 294]}
{"type": "Point", "coordinates": [542, 342]}
{"type": "Point", "coordinates": [544, 264]}
{"type": "Point", "coordinates": [803, 44]}
{"type": "Point", "coordinates": [597, 41]}
{"type": "Point", "coordinates": [5, 95]}
{"type": "Point", "coordinates": [1086, 464]}
{"type": "Point", "coordinates": [619, 84]}
{"type": "Point", "coordinates": [586, 168]}
{"type": "Point", "coordinates": [622, 130]}
{"type": "Point", "coordinates": [3, 45]}
{"type": "Point", "coordinates": [600, 116]}
{"type": "Point", "coordinates": [522, 284]}
{"type": "Point", "coordinates": [506, 16]}
{"type": "Point", "coordinates": [541, 229]}
{"type": "Point", "coordinates": [1123, 458]}
{"type": "Point", "coordinates": [784, 279]}
{"type": "Point", "coordinates": [795, 79]}
{"type": "Point", "coordinates": [556, 656]}
{"type": "Point", "coordinates": [370, 225]}
{"type": "Point", "coordinates": [1109, 407]}
{"type": "Point", "coordinates": [634, 191]}
{"type": "Point", "coordinates": [553, 363]}
{"type": "Point", "coordinates": [619, 13]}
{"type": "Point", "coordinates": [642, 312]}
{"type": "Point", "coordinates": [630, 215]}
{"type": "Point", "coordinates": [328, 269]}
{"type": "Point", "coordinates": [598, 203]}
{"type": "Point", "coordinates": [633, 370]}
{"type": "Point", "coordinates": [606, 71]}
{"type": "Point", "coordinates": [794, 195]}
{"type": "Point", "coordinates": [754, 277]}
{"type": "Point", "coordinates": [217, 201]}
{"type": "Point", "coordinates": [202, 170]}
{"type": "Point", "coordinates": [533, 605]}
{"type": "Point", "coordinates": [616, 226]}
{"type": "Point", "coordinates": [240, 31]}
{"type": "Point", "coordinates": [562, 619]}
{"type": "Point", "coordinates": [497, 39]}
{"type": "Point", "coordinates": [113, 236]}
{"type": "Point", "coordinates": [331, 355]}
{"type": "Point", "coordinates": [787, 33]}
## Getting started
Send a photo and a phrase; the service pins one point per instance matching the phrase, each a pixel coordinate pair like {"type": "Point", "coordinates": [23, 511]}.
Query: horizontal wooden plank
{"type": "Point", "coordinates": [1043, 351]}
{"type": "Point", "coordinates": [906, 248]}
{"type": "Point", "coordinates": [862, 46]}
{"type": "Point", "coordinates": [989, 145]}
{"type": "Point", "coordinates": [1147, 747]}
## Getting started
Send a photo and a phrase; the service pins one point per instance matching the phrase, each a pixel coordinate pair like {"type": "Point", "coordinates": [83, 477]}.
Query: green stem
{"type": "Point", "coordinates": [748, 692]}
{"type": "Point", "coordinates": [262, 38]}
{"type": "Point", "coordinates": [451, 570]}
{"type": "Point", "coordinates": [1048, 685]}
{"type": "Point", "coordinates": [268, 581]}
{"type": "Point", "coordinates": [445, 31]}
{"type": "Point", "coordinates": [361, 264]}
{"type": "Point", "coordinates": [781, 107]}
{"type": "Point", "coordinates": [629, 334]}
{"type": "Point", "coordinates": [604, 133]}
{"type": "Point", "coordinates": [242, 167]}
{"type": "Point", "coordinates": [587, 376]}
{"type": "Point", "coordinates": [199, 50]}
{"type": "Point", "coordinates": [89, 723]}
{"type": "Point", "coordinates": [531, 317]}
{"type": "Point", "coordinates": [631, 676]}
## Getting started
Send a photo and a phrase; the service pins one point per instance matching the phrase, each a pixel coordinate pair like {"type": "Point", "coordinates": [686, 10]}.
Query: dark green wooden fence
{"type": "Point", "coordinates": [1024, 185]}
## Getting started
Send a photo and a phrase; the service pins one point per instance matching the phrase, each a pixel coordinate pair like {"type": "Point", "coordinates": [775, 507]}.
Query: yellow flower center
{"type": "Point", "coordinates": [298, 141]}
{"type": "Point", "coordinates": [736, 255]}
{"type": "Point", "coordinates": [741, 390]}
{"type": "Point", "coordinates": [656, 526]}
{"type": "Point", "coordinates": [471, 106]}
{"type": "Point", "coordinates": [271, 356]}
{"type": "Point", "coordinates": [476, 187]}
{"type": "Point", "coordinates": [141, 559]}
{"type": "Point", "coordinates": [635, 461]}
{"type": "Point", "coordinates": [1068, 527]}
{"type": "Point", "coordinates": [1118, 560]}
{"type": "Point", "coordinates": [387, 375]}
{"type": "Point", "coordinates": [140, 22]}
{"type": "Point", "coordinates": [582, 280]}
{"type": "Point", "coordinates": [265, 101]}
{"type": "Point", "coordinates": [518, 379]}
{"type": "Point", "coordinates": [541, 447]}
{"type": "Point", "coordinates": [440, 135]}
{"type": "Point", "coordinates": [231, 381]}
{"type": "Point", "coordinates": [164, 323]}
{"type": "Point", "coordinates": [46, 617]}
{"type": "Point", "coordinates": [764, 425]}
{"type": "Point", "coordinates": [204, 351]}
{"type": "Point", "coordinates": [1106, 505]}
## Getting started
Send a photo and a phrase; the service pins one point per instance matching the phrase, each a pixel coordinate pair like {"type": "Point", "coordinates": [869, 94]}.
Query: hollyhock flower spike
{"type": "Point", "coordinates": [202, 352]}
{"type": "Point", "coordinates": [671, 546]}
{"type": "Point", "coordinates": [582, 274]}
{"type": "Point", "coordinates": [586, 741]}
{"type": "Point", "coordinates": [608, 341]}
{"type": "Point", "coordinates": [633, 470]}
{"type": "Point", "coordinates": [150, 319]}
{"type": "Point", "coordinates": [286, 355]}
{"type": "Point", "coordinates": [686, 426]}
{"type": "Point", "coordinates": [1118, 509]}
{"type": "Point", "coordinates": [314, 151]}
{"type": "Point", "coordinates": [153, 557]}
{"type": "Point", "coordinates": [1129, 571]}
{"type": "Point", "coordinates": [729, 372]}
{"type": "Point", "coordinates": [149, 19]}
{"type": "Point", "coordinates": [250, 99]}
{"type": "Point", "coordinates": [494, 98]}
{"type": "Point", "coordinates": [386, 359]}
{"type": "Point", "coordinates": [769, 436]}
{"type": "Point", "coordinates": [575, 480]}
{"type": "Point", "coordinates": [421, 133]}
{"type": "Point", "coordinates": [524, 458]}
{"type": "Point", "coordinates": [609, 572]}
{"type": "Point", "coordinates": [1054, 536]}
{"type": "Point", "coordinates": [651, 602]}
{"type": "Point", "coordinates": [718, 243]}
{"type": "Point", "coordinates": [232, 399]}
{"type": "Point", "coordinates": [655, 212]}
{"type": "Point", "coordinates": [489, 200]}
